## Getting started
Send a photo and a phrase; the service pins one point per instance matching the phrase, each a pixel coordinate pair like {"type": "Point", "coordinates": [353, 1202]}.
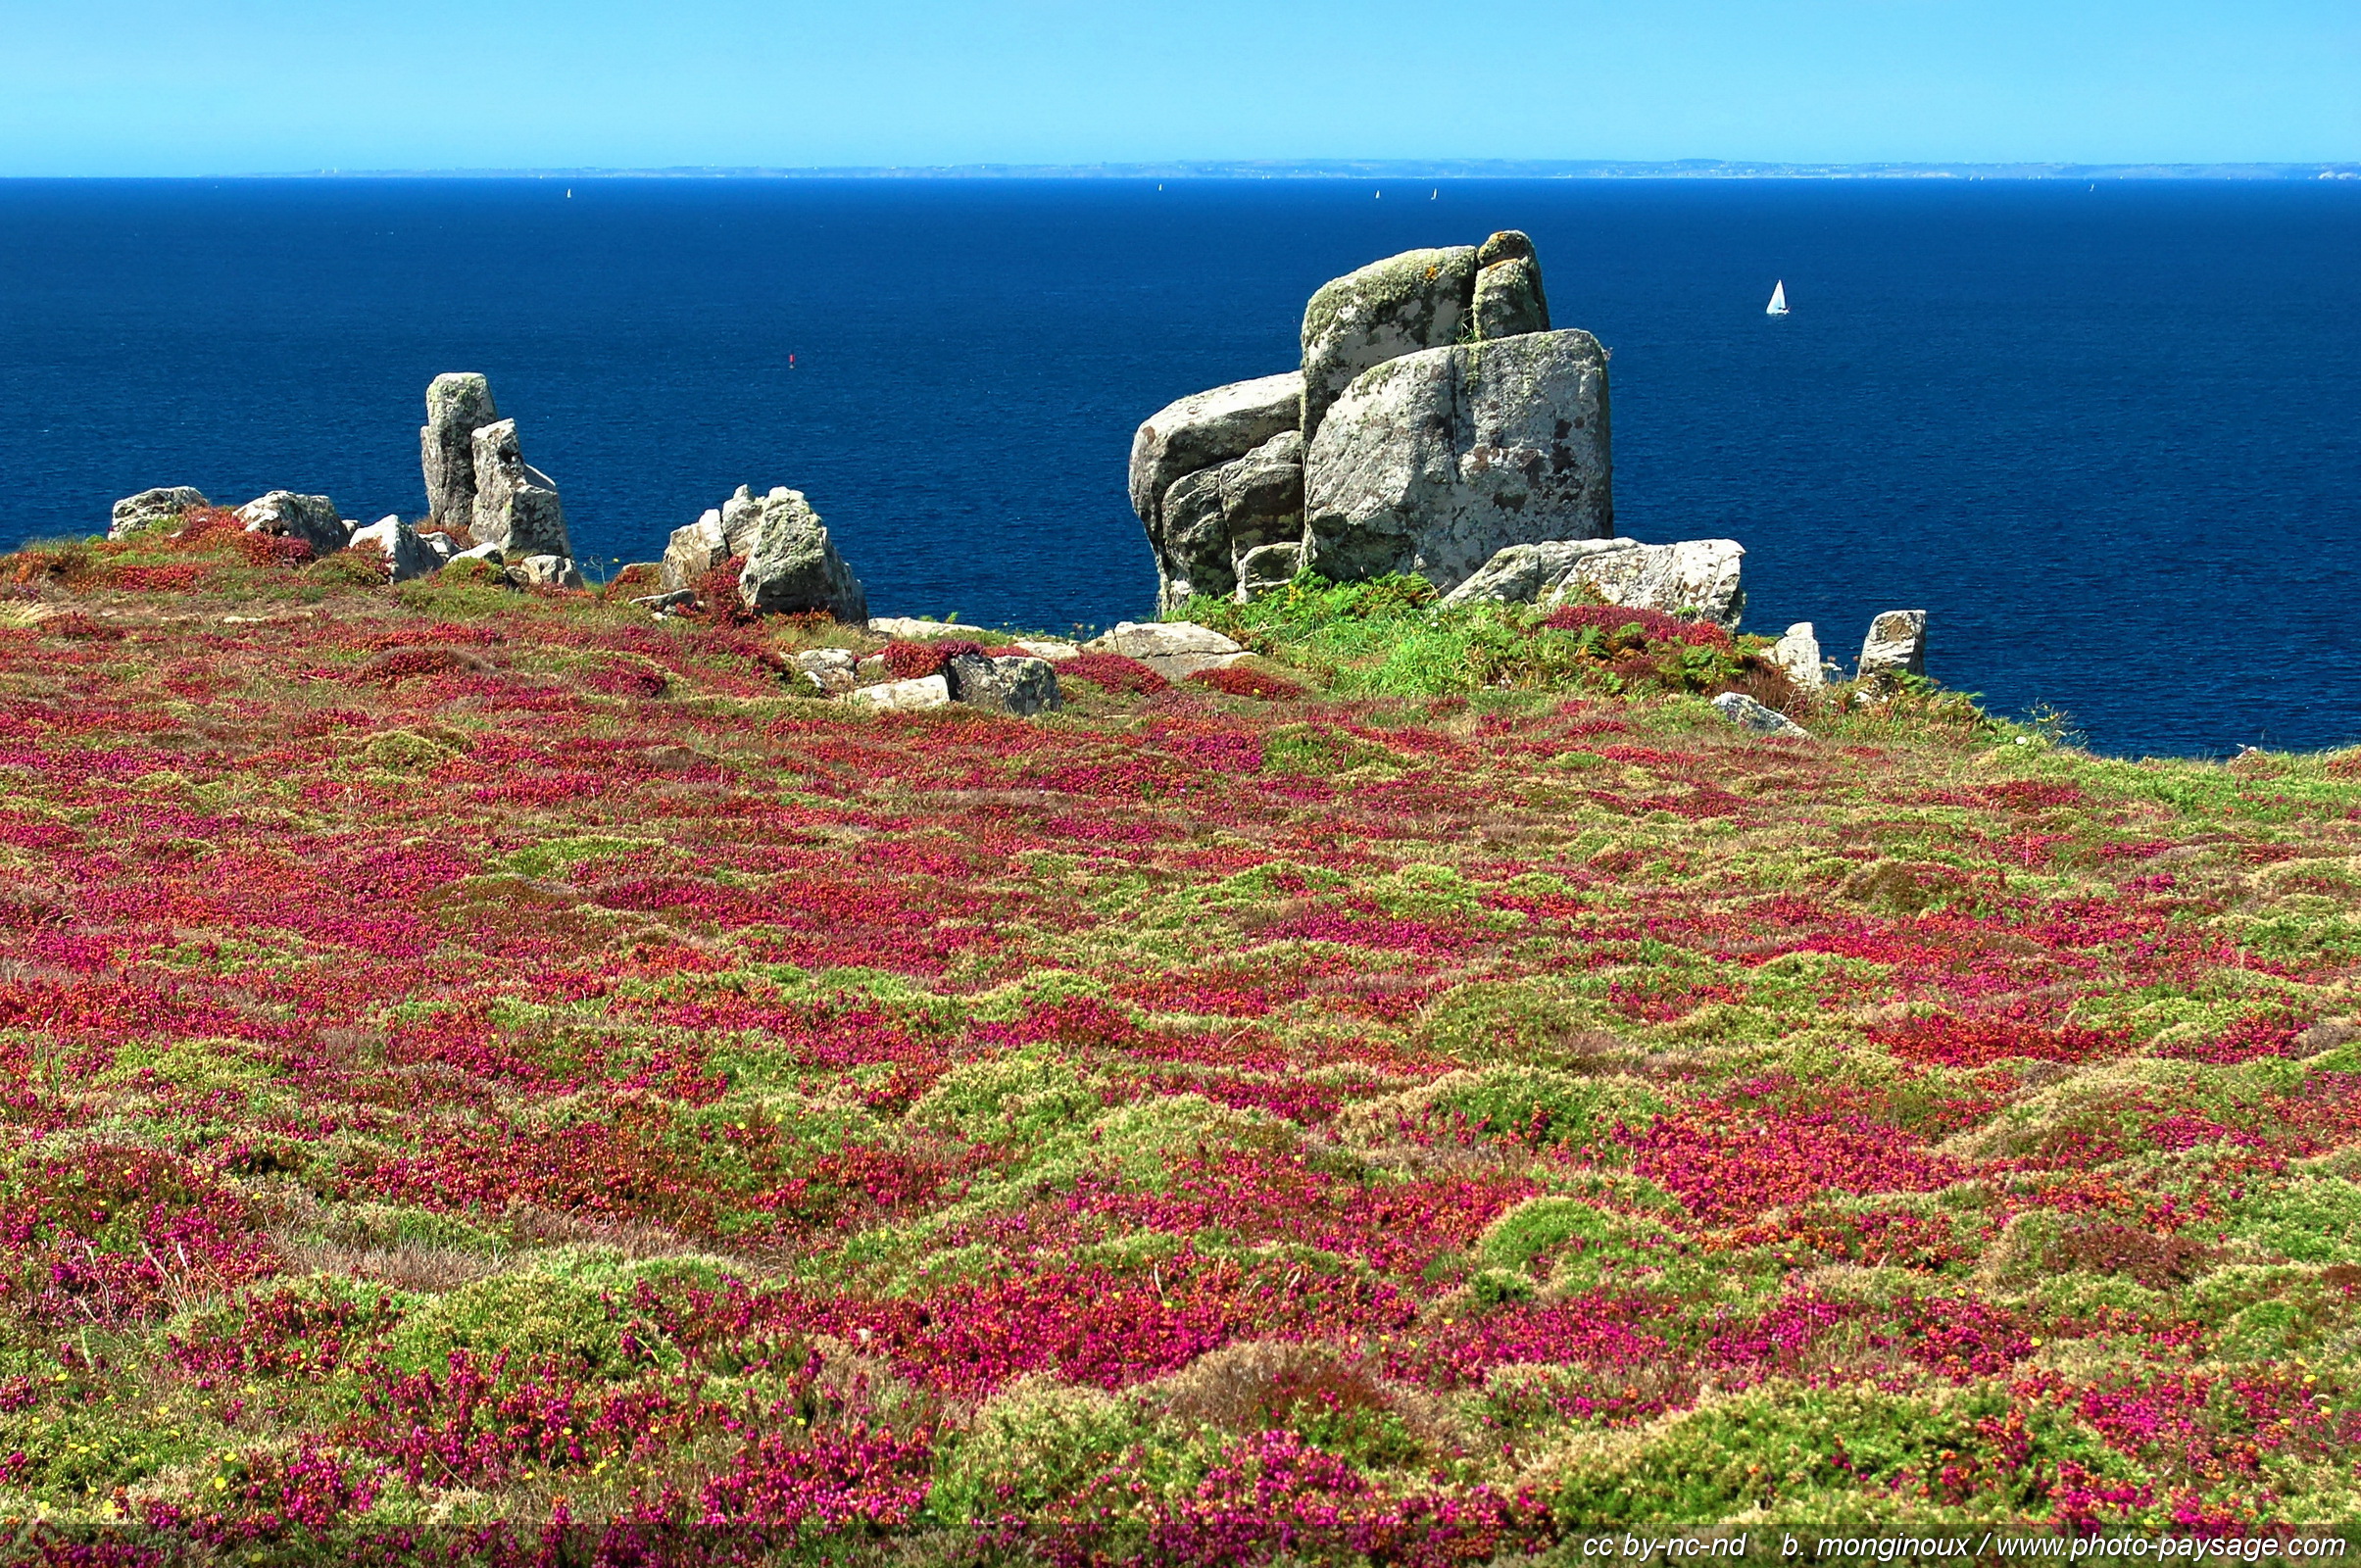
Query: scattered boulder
{"type": "Point", "coordinates": [1524, 575]}
{"type": "Point", "coordinates": [288, 515]}
{"type": "Point", "coordinates": [927, 691]}
{"type": "Point", "coordinates": [830, 669]}
{"type": "Point", "coordinates": [695, 550]}
{"type": "Point", "coordinates": [1896, 645]}
{"type": "Point", "coordinates": [1052, 648]}
{"type": "Point", "coordinates": [1698, 576]}
{"type": "Point", "coordinates": [406, 554]}
{"type": "Point", "coordinates": [1434, 462]}
{"type": "Point", "coordinates": [1020, 686]}
{"type": "Point", "coordinates": [670, 602]}
{"type": "Point", "coordinates": [135, 512]}
{"type": "Point", "coordinates": [910, 629]}
{"type": "Point", "coordinates": [1798, 654]}
{"type": "Point", "coordinates": [1397, 306]}
{"type": "Point", "coordinates": [1173, 649]}
{"type": "Point", "coordinates": [792, 566]}
{"type": "Point", "coordinates": [1509, 299]}
{"type": "Point", "coordinates": [545, 571]}
{"type": "Point", "coordinates": [517, 505]}
{"type": "Point", "coordinates": [1751, 715]}
{"type": "Point", "coordinates": [458, 405]}
{"type": "Point", "coordinates": [489, 554]}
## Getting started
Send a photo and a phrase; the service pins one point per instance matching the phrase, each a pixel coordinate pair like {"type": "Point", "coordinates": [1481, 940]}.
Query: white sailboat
{"type": "Point", "coordinates": [1778, 304]}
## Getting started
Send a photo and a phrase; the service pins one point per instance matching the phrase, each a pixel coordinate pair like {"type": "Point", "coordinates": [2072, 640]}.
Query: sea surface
{"type": "Point", "coordinates": [2108, 438]}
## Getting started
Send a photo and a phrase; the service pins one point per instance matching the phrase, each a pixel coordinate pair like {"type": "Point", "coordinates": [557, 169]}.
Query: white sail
{"type": "Point", "coordinates": [1778, 304]}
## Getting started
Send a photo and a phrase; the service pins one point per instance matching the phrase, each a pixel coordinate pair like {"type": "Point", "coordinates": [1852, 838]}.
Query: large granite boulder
{"type": "Point", "coordinates": [1180, 461]}
{"type": "Point", "coordinates": [288, 515]}
{"type": "Point", "coordinates": [1751, 715]}
{"type": "Point", "coordinates": [1173, 649]}
{"type": "Point", "coordinates": [1417, 300]}
{"type": "Point", "coordinates": [1434, 462]}
{"type": "Point", "coordinates": [135, 512]}
{"type": "Point", "coordinates": [1698, 577]}
{"type": "Point", "coordinates": [1896, 645]}
{"type": "Point", "coordinates": [792, 566]}
{"type": "Point", "coordinates": [517, 505]}
{"type": "Point", "coordinates": [1798, 654]}
{"type": "Point", "coordinates": [1021, 687]}
{"type": "Point", "coordinates": [458, 405]}
{"type": "Point", "coordinates": [1205, 429]}
{"type": "Point", "coordinates": [1525, 575]}
{"type": "Point", "coordinates": [1508, 300]}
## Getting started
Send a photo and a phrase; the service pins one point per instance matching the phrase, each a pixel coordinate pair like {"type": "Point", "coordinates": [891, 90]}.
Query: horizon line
{"type": "Point", "coordinates": [1344, 169]}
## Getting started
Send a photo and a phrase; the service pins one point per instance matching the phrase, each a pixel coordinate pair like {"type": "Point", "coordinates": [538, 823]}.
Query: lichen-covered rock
{"type": "Point", "coordinates": [1524, 575]}
{"type": "Point", "coordinates": [694, 550]}
{"type": "Point", "coordinates": [1205, 429]}
{"type": "Point", "coordinates": [458, 405]}
{"type": "Point", "coordinates": [545, 571]}
{"type": "Point", "coordinates": [288, 515]}
{"type": "Point", "coordinates": [407, 555]}
{"type": "Point", "coordinates": [1022, 687]}
{"type": "Point", "coordinates": [1400, 305]}
{"type": "Point", "coordinates": [1434, 462]}
{"type": "Point", "coordinates": [1748, 714]}
{"type": "Point", "coordinates": [792, 566]}
{"type": "Point", "coordinates": [910, 629]}
{"type": "Point", "coordinates": [1798, 654]}
{"type": "Point", "coordinates": [1896, 645]}
{"type": "Point", "coordinates": [1173, 649]}
{"type": "Point", "coordinates": [517, 505]}
{"type": "Point", "coordinates": [1193, 545]}
{"type": "Point", "coordinates": [135, 512]}
{"type": "Point", "coordinates": [1693, 576]}
{"type": "Point", "coordinates": [927, 691]}
{"type": "Point", "coordinates": [1508, 298]}
{"type": "Point", "coordinates": [1267, 567]}
{"type": "Point", "coordinates": [830, 670]}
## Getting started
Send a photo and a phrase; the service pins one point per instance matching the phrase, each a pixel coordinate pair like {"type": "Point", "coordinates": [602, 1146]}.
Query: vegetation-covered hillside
{"type": "Point", "coordinates": [495, 1076]}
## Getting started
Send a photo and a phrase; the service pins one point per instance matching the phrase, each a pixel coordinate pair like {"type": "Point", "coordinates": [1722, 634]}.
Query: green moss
{"type": "Point", "coordinates": [1007, 1100]}
{"type": "Point", "coordinates": [2314, 1220]}
{"type": "Point", "coordinates": [532, 1316]}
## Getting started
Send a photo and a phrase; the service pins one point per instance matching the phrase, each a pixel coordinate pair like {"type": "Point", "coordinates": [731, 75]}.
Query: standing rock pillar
{"type": "Point", "coordinates": [456, 407]}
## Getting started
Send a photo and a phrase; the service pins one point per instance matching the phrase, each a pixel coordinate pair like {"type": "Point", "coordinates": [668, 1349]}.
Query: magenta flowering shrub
{"type": "Point", "coordinates": [484, 1080]}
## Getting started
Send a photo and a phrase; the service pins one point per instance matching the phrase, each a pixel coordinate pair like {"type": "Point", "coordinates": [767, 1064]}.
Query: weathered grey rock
{"type": "Point", "coordinates": [1748, 714]}
{"type": "Point", "coordinates": [1698, 576]}
{"type": "Point", "coordinates": [1434, 462]}
{"type": "Point", "coordinates": [927, 691]}
{"type": "Point", "coordinates": [484, 553]}
{"type": "Point", "coordinates": [695, 550]}
{"type": "Point", "coordinates": [1524, 575]}
{"type": "Point", "coordinates": [311, 518]}
{"type": "Point", "coordinates": [1263, 502]}
{"type": "Point", "coordinates": [545, 571]}
{"type": "Point", "coordinates": [1205, 429]}
{"type": "Point", "coordinates": [1266, 568]}
{"type": "Point", "coordinates": [1798, 654]}
{"type": "Point", "coordinates": [135, 512]}
{"type": "Point", "coordinates": [1193, 547]}
{"type": "Point", "coordinates": [1896, 645]}
{"type": "Point", "coordinates": [829, 669]}
{"type": "Point", "coordinates": [458, 405]}
{"type": "Point", "coordinates": [910, 629]}
{"type": "Point", "coordinates": [1173, 649]}
{"type": "Point", "coordinates": [1417, 300]}
{"type": "Point", "coordinates": [407, 555]}
{"type": "Point", "coordinates": [1020, 686]}
{"type": "Point", "coordinates": [1508, 298]}
{"type": "Point", "coordinates": [1052, 648]}
{"type": "Point", "coordinates": [670, 600]}
{"type": "Point", "coordinates": [792, 566]}
{"type": "Point", "coordinates": [517, 505]}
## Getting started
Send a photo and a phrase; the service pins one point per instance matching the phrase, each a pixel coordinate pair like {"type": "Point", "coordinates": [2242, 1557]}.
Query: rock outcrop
{"type": "Point", "coordinates": [1021, 687]}
{"type": "Point", "coordinates": [516, 508]}
{"type": "Point", "coordinates": [458, 405]}
{"type": "Point", "coordinates": [1694, 576]}
{"type": "Point", "coordinates": [135, 512]}
{"type": "Point", "coordinates": [1896, 645]}
{"type": "Point", "coordinates": [1798, 654]}
{"type": "Point", "coordinates": [792, 566]}
{"type": "Point", "coordinates": [288, 515]}
{"type": "Point", "coordinates": [1231, 450]}
{"type": "Point", "coordinates": [1434, 462]}
{"type": "Point", "coordinates": [927, 691]}
{"type": "Point", "coordinates": [1748, 714]}
{"type": "Point", "coordinates": [1435, 420]}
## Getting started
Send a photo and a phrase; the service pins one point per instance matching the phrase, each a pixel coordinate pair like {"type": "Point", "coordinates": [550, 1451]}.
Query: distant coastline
{"type": "Point", "coordinates": [1388, 168]}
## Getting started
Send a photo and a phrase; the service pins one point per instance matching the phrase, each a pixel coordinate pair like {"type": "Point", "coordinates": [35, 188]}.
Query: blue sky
{"type": "Point", "coordinates": [225, 86]}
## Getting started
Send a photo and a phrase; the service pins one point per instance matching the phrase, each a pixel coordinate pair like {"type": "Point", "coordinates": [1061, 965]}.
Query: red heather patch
{"type": "Point", "coordinates": [912, 660]}
{"type": "Point", "coordinates": [1654, 625]}
{"type": "Point", "coordinates": [2251, 1036]}
{"type": "Point", "coordinates": [1236, 681]}
{"type": "Point", "coordinates": [1114, 673]}
{"type": "Point", "coordinates": [1945, 1041]}
{"type": "Point", "coordinates": [1729, 1163]}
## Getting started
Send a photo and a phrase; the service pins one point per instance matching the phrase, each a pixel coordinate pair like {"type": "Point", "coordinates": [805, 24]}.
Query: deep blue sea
{"type": "Point", "coordinates": [2110, 438]}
